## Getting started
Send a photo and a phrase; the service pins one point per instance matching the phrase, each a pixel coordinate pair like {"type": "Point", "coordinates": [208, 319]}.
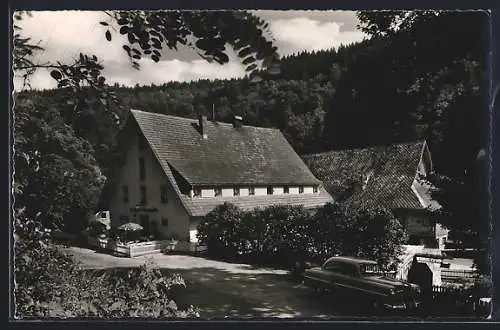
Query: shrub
{"type": "Point", "coordinates": [372, 233]}
{"type": "Point", "coordinates": [273, 235]}
{"type": "Point", "coordinates": [278, 233]}
{"type": "Point", "coordinates": [281, 235]}
{"type": "Point", "coordinates": [376, 235]}
{"type": "Point", "coordinates": [219, 231]}
{"type": "Point", "coordinates": [51, 284]}
{"type": "Point", "coordinates": [327, 229]}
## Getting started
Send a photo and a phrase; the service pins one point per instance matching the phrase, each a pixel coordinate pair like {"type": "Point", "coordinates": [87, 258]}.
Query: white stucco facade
{"type": "Point", "coordinates": [168, 218]}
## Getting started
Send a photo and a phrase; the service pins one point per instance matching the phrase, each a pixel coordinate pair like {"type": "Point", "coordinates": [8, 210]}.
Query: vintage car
{"type": "Point", "coordinates": [363, 281]}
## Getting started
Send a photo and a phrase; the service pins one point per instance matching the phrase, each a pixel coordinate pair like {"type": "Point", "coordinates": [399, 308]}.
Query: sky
{"type": "Point", "coordinates": [64, 34]}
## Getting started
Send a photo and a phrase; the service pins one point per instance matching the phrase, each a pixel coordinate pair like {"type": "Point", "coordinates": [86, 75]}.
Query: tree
{"type": "Point", "coordinates": [437, 76]}
{"type": "Point", "coordinates": [206, 32]}
{"type": "Point", "coordinates": [57, 181]}
{"type": "Point", "coordinates": [372, 233]}
{"type": "Point", "coordinates": [464, 209]}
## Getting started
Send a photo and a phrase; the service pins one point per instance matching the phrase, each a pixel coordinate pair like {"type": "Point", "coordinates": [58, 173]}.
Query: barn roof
{"type": "Point", "coordinates": [388, 173]}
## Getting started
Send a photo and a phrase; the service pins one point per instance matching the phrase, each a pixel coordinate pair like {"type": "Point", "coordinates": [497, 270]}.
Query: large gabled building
{"type": "Point", "coordinates": [176, 170]}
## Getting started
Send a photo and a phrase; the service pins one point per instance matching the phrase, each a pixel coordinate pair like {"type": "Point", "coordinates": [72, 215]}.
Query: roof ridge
{"type": "Point", "coordinates": [210, 121]}
{"type": "Point", "coordinates": [364, 148]}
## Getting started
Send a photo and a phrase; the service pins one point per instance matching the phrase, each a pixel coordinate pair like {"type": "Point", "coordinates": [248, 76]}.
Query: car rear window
{"type": "Point", "coordinates": [370, 269]}
{"type": "Point", "coordinates": [332, 266]}
{"type": "Point", "coordinates": [341, 267]}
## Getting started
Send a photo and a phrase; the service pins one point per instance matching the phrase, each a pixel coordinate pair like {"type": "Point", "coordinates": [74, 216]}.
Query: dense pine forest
{"type": "Point", "coordinates": [423, 80]}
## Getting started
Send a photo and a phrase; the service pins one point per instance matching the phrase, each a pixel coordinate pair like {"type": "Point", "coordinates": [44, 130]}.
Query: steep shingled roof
{"type": "Point", "coordinates": [229, 156]}
{"type": "Point", "coordinates": [393, 168]}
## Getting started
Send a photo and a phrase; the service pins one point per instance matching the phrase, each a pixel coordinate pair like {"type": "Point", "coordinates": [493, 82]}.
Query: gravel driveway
{"type": "Point", "coordinates": [222, 289]}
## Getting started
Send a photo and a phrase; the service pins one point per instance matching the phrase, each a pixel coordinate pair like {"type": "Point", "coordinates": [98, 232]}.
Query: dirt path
{"type": "Point", "coordinates": [223, 289]}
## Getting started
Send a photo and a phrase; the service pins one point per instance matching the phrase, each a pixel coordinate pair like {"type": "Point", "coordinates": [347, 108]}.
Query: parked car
{"type": "Point", "coordinates": [362, 280]}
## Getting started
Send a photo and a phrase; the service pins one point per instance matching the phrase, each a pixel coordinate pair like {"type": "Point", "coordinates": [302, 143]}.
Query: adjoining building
{"type": "Point", "coordinates": [393, 176]}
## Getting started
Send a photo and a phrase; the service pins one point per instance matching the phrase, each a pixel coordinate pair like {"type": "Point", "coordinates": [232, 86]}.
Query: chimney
{"type": "Point", "coordinates": [237, 121]}
{"type": "Point", "coordinates": [203, 123]}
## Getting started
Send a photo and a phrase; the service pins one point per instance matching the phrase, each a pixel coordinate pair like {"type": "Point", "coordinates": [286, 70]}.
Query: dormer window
{"type": "Point", "coordinates": [286, 190]}
{"type": "Point", "coordinates": [251, 191]}
{"type": "Point", "coordinates": [218, 192]}
{"type": "Point", "coordinates": [236, 191]}
{"type": "Point", "coordinates": [270, 190]}
{"type": "Point", "coordinates": [197, 192]}
{"type": "Point", "coordinates": [315, 189]}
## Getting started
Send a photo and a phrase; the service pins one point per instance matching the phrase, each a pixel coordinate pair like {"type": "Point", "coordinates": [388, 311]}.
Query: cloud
{"type": "Point", "coordinates": [64, 34]}
{"type": "Point", "coordinates": [302, 33]}
{"type": "Point", "coordinates": [170, 70]}
{"type": "Point", "coordinates": [346, 18]}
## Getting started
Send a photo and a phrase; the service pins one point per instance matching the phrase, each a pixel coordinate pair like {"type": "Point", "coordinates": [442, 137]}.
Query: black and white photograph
{"type": "Point", "coordinates": [251, 165]}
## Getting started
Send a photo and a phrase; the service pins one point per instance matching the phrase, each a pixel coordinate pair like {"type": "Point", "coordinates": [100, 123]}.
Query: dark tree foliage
{"type": "Point", "coordinates": [57, 181]}
{"type": "Point", "coordinates": [441, 67]}
{"type": "Point", "coordinates": [206, 32]}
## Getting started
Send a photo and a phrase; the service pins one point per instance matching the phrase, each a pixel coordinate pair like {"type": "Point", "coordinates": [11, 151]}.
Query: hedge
{"type": "Point", "coordinates": [282, 235]}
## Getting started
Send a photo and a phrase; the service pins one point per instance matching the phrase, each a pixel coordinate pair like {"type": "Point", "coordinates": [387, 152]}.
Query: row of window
{"type": "Point", "coordinates": [143, 199]}
{"type": "Point", "coordinates": [251, 191]}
